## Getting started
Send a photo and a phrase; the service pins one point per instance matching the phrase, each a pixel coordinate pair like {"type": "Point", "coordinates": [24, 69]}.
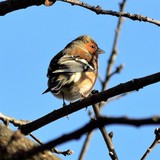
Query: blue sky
{"type": "Point", "coordinates": [30, 37]}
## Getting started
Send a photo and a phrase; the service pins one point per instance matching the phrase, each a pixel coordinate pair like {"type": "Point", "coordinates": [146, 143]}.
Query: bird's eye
{"type": "Point", "coordinates": [93, 46]}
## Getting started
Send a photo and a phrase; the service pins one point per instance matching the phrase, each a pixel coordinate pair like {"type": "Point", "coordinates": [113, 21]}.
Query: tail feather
{"type": "Point", "coordinates": [47, 90]}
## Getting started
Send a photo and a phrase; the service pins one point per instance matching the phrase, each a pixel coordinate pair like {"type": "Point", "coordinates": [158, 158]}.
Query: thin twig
{"type": "Point", "coordinates": [55, 150]}
{"type": "Point", "coordinates": [114, 51]}
{"type": "Point", "coordinates": [86, 141]}
{"type": "Point", "coordinates": [36, 139]}
{"type": "Point", "coordinates": [155, 142]}
{"type": "Point", "coordinates": [65, 153]}
{"type": "Point", "coordinates": [15, 122]}
{"type": "Point", "coordinates": [117, 70]}
{"type": "Point", "coordinates": [98, 10]}
{"type": "Point", "coordinates": [105, 135]}
{"type": "Point", "coordinates": [85, 145]}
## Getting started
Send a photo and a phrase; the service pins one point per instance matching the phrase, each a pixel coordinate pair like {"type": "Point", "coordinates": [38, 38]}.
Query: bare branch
{"type": "Point", "coordinates": [101, 121]}
{"type": "Point", "coordinates": [14, 143]}
{"type": "Point", "coordinates": [155, 142]}
{"type": "Point", "coordinates": [65, 153]}
{"type": "Point", "coordinates": [85, 145]}
{"type": "Point", "coordinates": [105, 135]}
{"type": "Point", "coordinates": [114, 51]}
{"type": "Point", "coordinates": [86, 141]}
{"type": "Point", "coordinates": [12, 120]}
{"type": "Point", "coordinates": [98, 10]}
{"type": "Point", "coordinates": [15, 122]}
{"type": "Point", "coordinates": [55, 150]}
{"type": "Point", "coordinates": [129, 86]}
{"type": "Point", "coordinates": [12, 5]}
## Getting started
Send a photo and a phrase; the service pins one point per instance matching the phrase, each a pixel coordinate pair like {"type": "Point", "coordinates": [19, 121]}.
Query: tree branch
{"type": "Point", "coordinates": [100, 122]}
{"type": "Point", "coordinates": [98, 10]}
{"type": "Point", "coordinates": [155, 142]}
{"type": "Point", "coordinates": [12, 5]}
{"type": "Point", "coordinates": [105, 135]}
{"type": "Point", "coordinates": [129, 86]}
{"type": "Point", "coordinates": [12, 120]}
{"type": "Point", "coordinates": [14, 143]}
{"type": "Point", "coordinates": [114, 51]}
{"type": "Point", "coordinates": [85, 145]}
{"type": "Point", "coordinates": [18, 123]}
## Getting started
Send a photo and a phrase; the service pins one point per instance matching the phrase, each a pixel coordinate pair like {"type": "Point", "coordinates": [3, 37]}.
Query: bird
{"type": "Point", "coordinates": [72, 73]}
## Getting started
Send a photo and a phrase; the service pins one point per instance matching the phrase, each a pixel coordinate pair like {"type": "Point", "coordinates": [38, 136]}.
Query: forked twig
{"type": "Point", "coordinates": [155, 142]}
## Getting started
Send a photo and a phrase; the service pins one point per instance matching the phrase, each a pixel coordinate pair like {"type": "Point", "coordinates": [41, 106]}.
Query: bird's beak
{"type": "Point", "coordinates": [100, 51]}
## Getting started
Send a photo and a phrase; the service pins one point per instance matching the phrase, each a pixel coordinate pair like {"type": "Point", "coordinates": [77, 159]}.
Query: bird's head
{"type": "Point", "coordinates": [89, 44]}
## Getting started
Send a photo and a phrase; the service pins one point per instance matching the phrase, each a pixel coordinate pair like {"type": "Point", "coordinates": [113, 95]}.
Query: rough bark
{"type": "Point", "coordinates": [14, 144]}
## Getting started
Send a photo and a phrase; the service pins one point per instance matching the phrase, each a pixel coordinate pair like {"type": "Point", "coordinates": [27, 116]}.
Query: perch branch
{"type": "Point", "coordinates": [129, 86]}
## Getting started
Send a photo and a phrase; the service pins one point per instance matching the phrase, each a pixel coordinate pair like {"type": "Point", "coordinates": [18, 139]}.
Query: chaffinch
{"type": "Point", "coordinates": [73, 71]}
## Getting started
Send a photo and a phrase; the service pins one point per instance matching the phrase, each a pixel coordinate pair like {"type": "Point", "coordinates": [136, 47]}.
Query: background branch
{"type": "Point", "coordinates": [18, 123]}
{"type": "Point", "coordinates": [98, 10]}
{"type": "Point", "coordinates": [114, 51]}
{"type": "Point", "coordinates": [155, 142]}
{"type": "Point", "coordinates": [101, 121]}
{"type": "Point", "coordinates": [14, 143]}
{"type": "Point", "coordinates": [12, 120]}
{"type": "Point", "coordinates": [85, 145]}
{"type": "Point", "coordinates": [105, 135]}
{"type": "Point", "coordinates": [13, 5]}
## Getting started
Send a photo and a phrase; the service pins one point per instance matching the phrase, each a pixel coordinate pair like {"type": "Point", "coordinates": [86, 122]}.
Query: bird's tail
{"type": "Point", "coordinates": [47, 90]}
